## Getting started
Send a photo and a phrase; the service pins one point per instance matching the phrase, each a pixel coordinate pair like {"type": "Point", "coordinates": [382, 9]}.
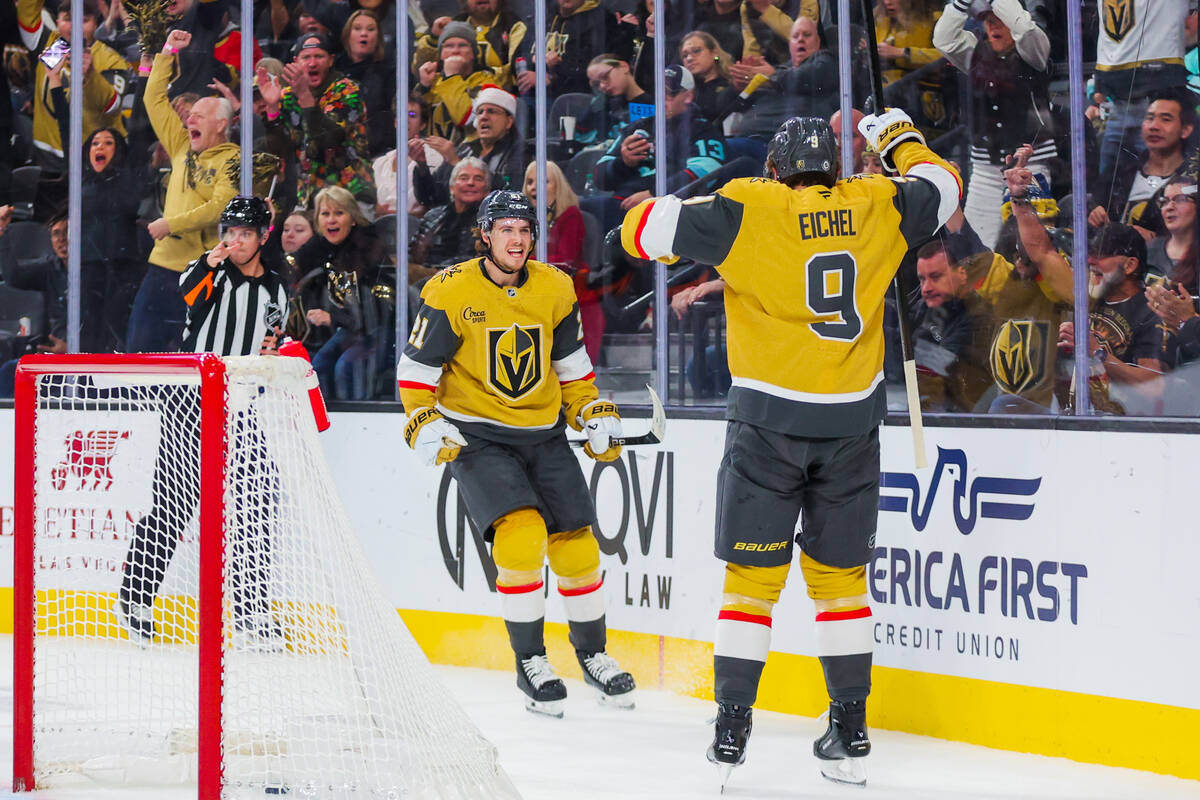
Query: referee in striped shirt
{"type": "Point", "coordinates": [230, 292]}
{"type": "Point", "coordinates": [235, 305]}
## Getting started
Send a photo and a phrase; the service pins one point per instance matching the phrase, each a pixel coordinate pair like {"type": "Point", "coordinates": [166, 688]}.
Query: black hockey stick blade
{"type": "Point", "coordinates": [658, 426]}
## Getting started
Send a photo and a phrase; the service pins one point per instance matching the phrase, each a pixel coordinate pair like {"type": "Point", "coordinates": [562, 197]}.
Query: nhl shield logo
{"type": "Point", "coordinates": [515, 360]}
{"type": "Point", "coordinates": [1119, 18]}
{"type": "Point", "coordinates": [1019, 355]}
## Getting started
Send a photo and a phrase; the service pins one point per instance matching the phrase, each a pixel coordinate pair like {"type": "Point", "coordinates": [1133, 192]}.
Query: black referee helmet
{"type": "Point", "coordinates": [246, 212]}
{"type": "Point", "coordinates": [803, 145]}
{"type": "Point", "coordinates": [507, 204]}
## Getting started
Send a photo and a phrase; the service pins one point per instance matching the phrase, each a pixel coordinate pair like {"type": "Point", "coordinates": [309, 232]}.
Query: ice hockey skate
{"type": "Point", "coordinates": [544, 691]}
{"type": "Point", "coordinates": [844, 746]}
{"type": "Point", "coordinates": [137, 620]}
{"type": "Point", "coordinates": [602, 672]}
{"type": "Point", "coordinates": [728, 749]}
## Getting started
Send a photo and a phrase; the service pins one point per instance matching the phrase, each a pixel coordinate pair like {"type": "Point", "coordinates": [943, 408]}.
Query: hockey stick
{"type": "Point", "coordinates": [899, 287]}
{"type": "Point", "coordinates": [658, 427]}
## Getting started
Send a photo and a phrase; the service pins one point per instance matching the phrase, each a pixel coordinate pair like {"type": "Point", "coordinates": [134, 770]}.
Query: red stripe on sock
{"type": "Point", "coordinates": [637, 236]}
{"type": "Point", "coordinates": [834, 616]}
{"type": "Point", "coordinates": [529, 587]}
{"type": "Point", "coordinates": [741, 616]}
{"type": "Point", "coordinates": [581, 590]}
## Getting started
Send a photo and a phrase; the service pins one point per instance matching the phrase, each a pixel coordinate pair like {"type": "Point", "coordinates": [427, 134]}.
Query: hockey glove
{"type": "Point", "coordinates": [432, 438]}
{"type": "Point", "coordinates": [601, 422]}
{"type": "Point", "coordinates": [887, 130]}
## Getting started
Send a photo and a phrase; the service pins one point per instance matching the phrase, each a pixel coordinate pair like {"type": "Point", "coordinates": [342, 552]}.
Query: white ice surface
{"type": "Point", "coordinates": [656, 752]}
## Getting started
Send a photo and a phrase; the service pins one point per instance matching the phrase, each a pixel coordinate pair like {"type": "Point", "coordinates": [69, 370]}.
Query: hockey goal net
{"type": "Point", "coordinates": [191, 604]}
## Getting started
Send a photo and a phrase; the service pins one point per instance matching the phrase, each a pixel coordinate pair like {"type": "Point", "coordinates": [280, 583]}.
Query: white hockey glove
{"type": "Point", "coordinates": [432, 438]}
{"type": "Point", "coordinates": [887, 130]}
{"type": "Point", "coordinates": [601, 422]}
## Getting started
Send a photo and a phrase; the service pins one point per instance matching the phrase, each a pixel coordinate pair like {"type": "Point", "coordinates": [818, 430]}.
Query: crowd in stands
{"type": "Point", "coordinates": [986, 80]}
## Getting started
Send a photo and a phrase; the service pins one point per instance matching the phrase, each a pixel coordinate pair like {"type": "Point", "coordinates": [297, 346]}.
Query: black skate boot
{"type": "Point", "coordinates": [845, 743]}
{"type": "Point", "coordinates": [544, 691]}
{"type": "Point", "coordinates": [728, 749]}
{"type": "Point", "coordinates": [601, 671]}
{"type": "Point", "coordinates": [137, 620]}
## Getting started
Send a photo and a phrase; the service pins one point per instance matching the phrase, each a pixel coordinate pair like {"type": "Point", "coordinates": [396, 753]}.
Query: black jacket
{"type": "Point", "coordinates": [110, 199]}
{"type": "Point", "coordinates": [807, 90]}
{"type": "Point", "coordinates": [357, 286]}
{"type": "Point", "coordinates": [695, 147]}
{"type": "Point", "coordinates": [444, 237]}
{"type": "Point", "coordinates": [377, 87]}
{"type": "Point", "coordinates": [589, 32]}
{"type": "Point", "coordinates": [506, 163]}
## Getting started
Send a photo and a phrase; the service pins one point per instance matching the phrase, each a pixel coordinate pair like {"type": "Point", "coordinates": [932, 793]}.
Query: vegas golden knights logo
{"type": "Point", "coordinates": [515, 360]}
{"type": "Point", "coordinates": [1119, 18]}
{"type": "Point", "coordinates": [1019, 355]}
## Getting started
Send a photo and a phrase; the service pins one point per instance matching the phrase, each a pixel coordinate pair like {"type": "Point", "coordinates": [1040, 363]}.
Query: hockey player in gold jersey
{"type": "Point", "coordinates": [807, 260]}
{"type": "Point", "coordinates": [494, 369]}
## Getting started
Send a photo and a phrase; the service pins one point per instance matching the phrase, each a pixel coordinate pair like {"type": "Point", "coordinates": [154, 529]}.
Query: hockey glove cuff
{"type": "Point", "coordinates": [432, 438]}
{"type": "Point", "coordinates": [887, 130]}
{"type": "Point", "coordinates": [601, 422]}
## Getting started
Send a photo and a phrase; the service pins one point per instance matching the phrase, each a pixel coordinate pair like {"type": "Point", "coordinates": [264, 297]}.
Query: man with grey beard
{"type": "Point", "coordinates": [1127, 344]}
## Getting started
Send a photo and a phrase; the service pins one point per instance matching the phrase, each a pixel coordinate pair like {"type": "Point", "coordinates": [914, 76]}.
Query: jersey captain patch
{"type": "Point", "coordinates": [515, 360]}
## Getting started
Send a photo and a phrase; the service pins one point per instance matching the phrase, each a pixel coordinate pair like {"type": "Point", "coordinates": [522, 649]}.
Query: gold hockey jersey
{"type": "Point", "coordinates": [501, 362]}
{"type": "Point", "coordinates": [806, 272]}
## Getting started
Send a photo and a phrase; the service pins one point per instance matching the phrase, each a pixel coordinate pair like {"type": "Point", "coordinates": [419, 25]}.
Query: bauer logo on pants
{"type": "Point", "coordinates": [515, 360]}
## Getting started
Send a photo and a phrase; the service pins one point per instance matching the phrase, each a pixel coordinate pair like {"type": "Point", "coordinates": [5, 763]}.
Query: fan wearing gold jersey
{"type": "Point", "coordinates": [494, 367]}
{"type": "Point", "coordinates": [807, 260]}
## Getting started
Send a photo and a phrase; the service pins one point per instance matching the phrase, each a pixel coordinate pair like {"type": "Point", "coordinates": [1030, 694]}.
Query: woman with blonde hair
{"type": "Point", "coordinates": [348, 285]}
{"type": "Point", "coordinates": [564, 247]}
{"type": "Point", "coordinates": [709, 64]}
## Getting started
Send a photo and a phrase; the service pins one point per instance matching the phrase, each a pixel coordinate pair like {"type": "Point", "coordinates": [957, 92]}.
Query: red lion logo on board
{"type": "Point", "coordinates": [88, 463]}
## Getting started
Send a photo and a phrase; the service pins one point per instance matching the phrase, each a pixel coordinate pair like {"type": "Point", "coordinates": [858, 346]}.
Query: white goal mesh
{"type": "Point", "coordinates": [323, 693]}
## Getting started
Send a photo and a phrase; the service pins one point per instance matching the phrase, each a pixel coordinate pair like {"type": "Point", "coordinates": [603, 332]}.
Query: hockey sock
{"type": "Point", "coordinates": [844, 624]}
{"type": "Point", "coordinates": [519, 550]}
{"type": "Point", "coordinates": [743, 635]}
{"type": "Point", "coordinates": [575, 559]}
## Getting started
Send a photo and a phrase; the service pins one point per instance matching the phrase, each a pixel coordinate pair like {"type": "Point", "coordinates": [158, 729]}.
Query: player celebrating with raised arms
{"type": "Point", "coordinates": [494, 369]}
{"type": "Point", "coordinates": [807, 260]}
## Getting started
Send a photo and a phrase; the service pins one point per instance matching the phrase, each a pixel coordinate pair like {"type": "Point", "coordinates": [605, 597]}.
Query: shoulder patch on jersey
{"type": "Point", "coordinates": [448, 272]}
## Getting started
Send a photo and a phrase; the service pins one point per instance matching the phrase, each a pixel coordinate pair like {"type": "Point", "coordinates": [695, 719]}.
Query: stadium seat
{"type": "Point", "coordinates": [24, 190]}
{"type": "Point", "coordinates": [571, 104]}
{"type": "Point", "coordinates": [580, 167]}
{"type": "Point", "coordinates": [27, 240]}
{"type": "Point", "coordinates": [739, 146]}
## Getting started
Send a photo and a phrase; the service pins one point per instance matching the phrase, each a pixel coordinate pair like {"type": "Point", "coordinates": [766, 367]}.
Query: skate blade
{"type": "Point", "coordinates": [850, 771]}
{"type": "Point", "coordinates": [724, 771]}
{"type": "Point", "coordinates": [623, 701]}
{"type": "Point", "coordinates": [550, 708]}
